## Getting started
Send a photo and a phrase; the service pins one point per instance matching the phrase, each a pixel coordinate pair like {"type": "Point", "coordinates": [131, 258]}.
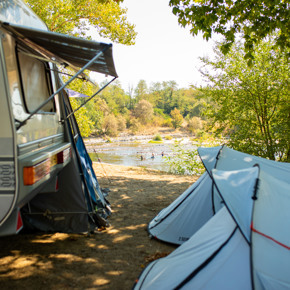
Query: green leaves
{"type": "Point", "coordinates": [77, 17]}
{"type": "Point", "coordinates": [184, 161]}
{"type": "Point", "coordinates": [252, 20]}
{"type": "Point", "coordinates": [250, 102]}
{"type": "Point", "coordinates": [177, 118]}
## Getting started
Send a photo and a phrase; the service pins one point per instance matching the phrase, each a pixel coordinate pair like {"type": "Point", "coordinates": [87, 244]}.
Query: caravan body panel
{"type": "Point", "coordinates": [25, 82]}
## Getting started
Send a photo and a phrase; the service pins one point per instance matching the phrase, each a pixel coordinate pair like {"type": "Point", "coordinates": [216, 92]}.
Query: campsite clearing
{"type": "Point", "coordinates": [109, 259]}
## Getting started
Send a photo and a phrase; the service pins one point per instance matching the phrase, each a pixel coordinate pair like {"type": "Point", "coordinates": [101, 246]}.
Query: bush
{"type": "Point", "coordinates": [157, 121]}
{"type": "Point", "coordinates": [121, 121]}
{"type": "Point", "coordinates": [184, 161]}
{"type": "Point", "coordinates": [133, 124]}
{"type": "Point", "coordinates": [167, 123]}
{"type": "Point", "coordinates": [110, 125]}
{"type": "Point", "coordinates": [194, 124]}
{"type": "Point", "coordinates": [157, 138]}
{"type": "Point", "coordinates": [177, 118]}
{"type": "Point", "coordinates": [143, 111]}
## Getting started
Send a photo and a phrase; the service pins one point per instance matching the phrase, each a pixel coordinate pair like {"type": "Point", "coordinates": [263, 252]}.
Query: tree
{"type": "Point", "coordinates": [168, 93]}
{"type": "Point", "coordinates": [177, 118]}
{"type": "Point", "coordinates": [194, 124]}
{"type": "Point", "coordinates": [141, 91]}
{"type": "Point", "coordinates": [143, 111]}
{"type": "Point", "coordinates": [252, 103]}
{"type": "Point", "coordinates": [115, 97]}
{"type": "Point", "coordinates": [110, 125]}
{"type": "Point", "coordinates": [84, 123]}
{"type": "Point", "coordinates": [133, 124]}
{"type": "Point", "coordinates": [254, 20]}
{"type": "Point", "coordinates": [77, 17]}
{"type": "Point", "coordinates": [121, 121]}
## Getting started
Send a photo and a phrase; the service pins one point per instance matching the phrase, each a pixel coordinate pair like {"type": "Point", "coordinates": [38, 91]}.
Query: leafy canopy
{"type": "Point", "coordinates": [143, 111]}
{"type": "Point", "coordinates": [177, 118]}
{"type": "Point", "coordinates": [251, 103]}
{"type": "Point", "coordinates": [77, 17]}
{"type": "Point", "coordinates": [252, 19]}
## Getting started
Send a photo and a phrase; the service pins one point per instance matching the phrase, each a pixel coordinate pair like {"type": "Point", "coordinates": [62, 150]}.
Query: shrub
{"type": "Point", "coordinates": [167, 123]}
{"type": "Point", "coordinates": [157, 138]}
{"type": "Point", "coordinates": [143, 111]}
{"type": "Point", "coordinates": [133, 124]}
{"type": "Point", "coordinates": [121, 121]}
{"type": "Point", "coordinates": [177, 118]}
{"type": "Point", "coordinates": [194, 124]}
{"type": "Point", "coordinates": [110, 125]}
{"type": "Point", "coordinates": [184, 161]}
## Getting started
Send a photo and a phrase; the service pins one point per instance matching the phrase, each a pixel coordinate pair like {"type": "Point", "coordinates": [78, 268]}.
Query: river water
{"type": "Point", "coordinates": [129, 153]}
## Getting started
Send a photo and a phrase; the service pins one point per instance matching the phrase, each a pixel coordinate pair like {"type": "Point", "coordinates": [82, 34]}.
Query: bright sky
{"type": "Point", "coordinates": [164, 51]}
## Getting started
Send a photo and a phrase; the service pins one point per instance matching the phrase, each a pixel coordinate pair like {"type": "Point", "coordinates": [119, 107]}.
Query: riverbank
{"type": "Point", "coordinates": [145, 135]}
{"type": "Point", "coordinates": [109, 259]}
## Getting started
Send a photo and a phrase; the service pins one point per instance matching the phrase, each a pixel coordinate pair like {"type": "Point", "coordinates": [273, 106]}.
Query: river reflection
{"type": "Point", "coordinates": [134, 153]}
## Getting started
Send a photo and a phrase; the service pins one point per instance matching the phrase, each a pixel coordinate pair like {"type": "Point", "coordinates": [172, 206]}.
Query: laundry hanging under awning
{"type": "Point", "coordinates": [74, 94]}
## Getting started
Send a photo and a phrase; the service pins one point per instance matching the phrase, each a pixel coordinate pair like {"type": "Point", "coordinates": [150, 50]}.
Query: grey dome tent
{"type": "Point", "coordinates": [182, 218]}
{"type": "Point", "coordinates": [245, 245]}
{"type": "Point", "coordinates": [193, 208]}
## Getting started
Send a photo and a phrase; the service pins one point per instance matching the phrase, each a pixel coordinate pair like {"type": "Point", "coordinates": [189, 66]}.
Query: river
{"type": "Point", "coordinates": [129, 153]}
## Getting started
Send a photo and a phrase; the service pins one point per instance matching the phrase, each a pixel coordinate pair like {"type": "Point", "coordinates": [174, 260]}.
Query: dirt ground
{"type": "Point", "coordinates": [109, 259]}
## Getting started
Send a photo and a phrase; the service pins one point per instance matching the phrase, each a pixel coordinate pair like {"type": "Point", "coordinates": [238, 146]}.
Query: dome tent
{"type": "Point", "coordinates": [243, 246]}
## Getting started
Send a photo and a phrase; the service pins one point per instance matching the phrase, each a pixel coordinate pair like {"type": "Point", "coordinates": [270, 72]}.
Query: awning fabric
{"type": "Point", "coordinates": [68, 50]}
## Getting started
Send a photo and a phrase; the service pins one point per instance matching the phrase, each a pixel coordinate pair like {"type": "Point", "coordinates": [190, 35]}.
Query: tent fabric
{"type": "Point", "coordinates": [93, 187]}
{"type": "Point", "coordinates": [174, 223]}
{"type": "Point", "coordinates": [65, 49]}
{"type": "Point", "coordinates": [78, 205]}
{"type": "Point", "coordinates": [270, 233]}
{"type": "Point", "coordinates": [208, 156]}
{"type": "Point", "coordinates": [230, 159]}
{"type": "Point", "coordinates": [183, 217]}
{"type": "Point", "coordinates": [62, 211]}
{"type": "Point", "coordinates": [204, 260]}
{"type": "Point", "coordinates": [257, 198]}
{"type": "Point", "coordinates": [237, 188]}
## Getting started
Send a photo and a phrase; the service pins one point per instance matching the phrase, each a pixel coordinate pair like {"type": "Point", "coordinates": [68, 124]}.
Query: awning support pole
{"type": "Point", "coordinates": [91, 97]}
{"type": "Point", "coordinates": [63, 86]}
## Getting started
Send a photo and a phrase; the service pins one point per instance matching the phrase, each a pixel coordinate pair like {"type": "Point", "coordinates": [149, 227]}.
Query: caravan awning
{"type": "Point", "coordinates": [67, 50]}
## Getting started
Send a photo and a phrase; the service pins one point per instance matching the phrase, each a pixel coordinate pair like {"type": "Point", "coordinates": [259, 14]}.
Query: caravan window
{"type": "Point", "coordinates": [36, 83]}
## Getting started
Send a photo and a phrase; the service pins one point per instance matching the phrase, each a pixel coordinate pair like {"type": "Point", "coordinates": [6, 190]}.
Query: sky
{"type": "Point", "coordinates": [164, 51]}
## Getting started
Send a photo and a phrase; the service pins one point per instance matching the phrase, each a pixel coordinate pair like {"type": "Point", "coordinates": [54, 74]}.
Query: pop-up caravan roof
{"type": "Point", "coordinates": [245, 245]}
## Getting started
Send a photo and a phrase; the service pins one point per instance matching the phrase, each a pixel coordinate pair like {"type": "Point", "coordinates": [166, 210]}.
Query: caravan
{"type": "Point", "coordinates": [46, 176]}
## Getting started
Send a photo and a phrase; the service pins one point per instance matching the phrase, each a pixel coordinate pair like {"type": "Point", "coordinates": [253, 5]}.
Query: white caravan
{"type": "Point", "coordinates": [36, 141]}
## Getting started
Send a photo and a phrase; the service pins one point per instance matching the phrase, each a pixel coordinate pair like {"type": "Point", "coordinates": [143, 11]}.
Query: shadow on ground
{"type": "Point", "coordinates": [109, 259]}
